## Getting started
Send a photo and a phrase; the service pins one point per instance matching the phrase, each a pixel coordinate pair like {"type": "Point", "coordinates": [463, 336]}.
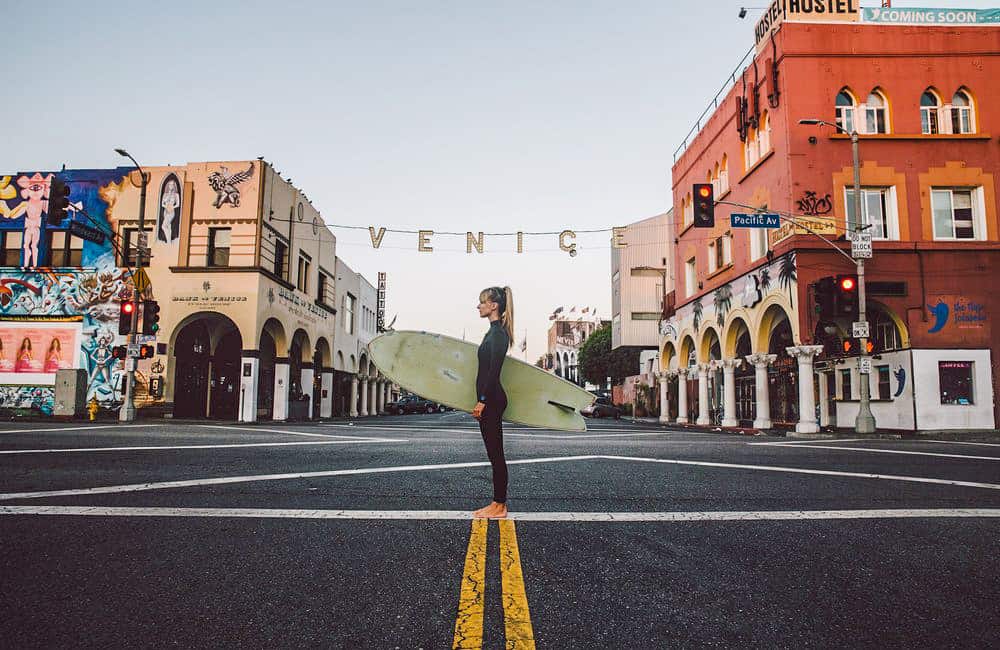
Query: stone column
{"type": "Point", "coordinates": [363, 411]}
{"type": "Point", "coordinates": [282, 371]}
{"type": "Point", "coordinates": [760, 363]}
{"type": "Point", "coordinates": [825, 417]}
{"type": "Point", "coordinates": [682, 396]}
{"type": "Point", "coordinates": [326, 393]}
{"type": "Point", "coordinates": [703, 419]}
{"type": "Point", "coordinates": [807, 398]}
{"type": "Point", "coordinates": [379, 396]}
{"type": "Point", "coordinates": [386, 393]}
{"type": "Point", "coordinates": [729, 367]}
{"type": "Point", "coordinates": [664, 406]}
{"type": "Point", "coordinates": [306, 380]}
{"type": "Point", "coordinates": [354, 396]}
{"type": "Point", "coordinates": [249, 378]}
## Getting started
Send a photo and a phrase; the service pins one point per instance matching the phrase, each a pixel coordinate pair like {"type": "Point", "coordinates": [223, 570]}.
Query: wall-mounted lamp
{"type": "Point", "coordinates": [812, 139]}
{"type": "Point", "coordinates": [743, 12]}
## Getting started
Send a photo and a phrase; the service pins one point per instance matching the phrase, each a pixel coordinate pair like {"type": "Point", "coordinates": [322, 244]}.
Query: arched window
{"type": "Point", "coordinates": [750, 151]}
{"type": "Point", "coordinates": [930, 107]}
{"type": "Point", "coordinates": [724, 175]}
{"type": "Point", "coordinates": [764, 135]}
{"type": "Point", "coordinates": [961, 113]}
{"type": "Point", "coordinates": [846, 107]}
{"type": "Point", "coordinates": [687, 210]}
{"type": "Point", "coordinates": [876, 113]}
{"type": "Point", "coordinates": [715, 180]}
{"type": "Point", "coordinates": [885, 333]}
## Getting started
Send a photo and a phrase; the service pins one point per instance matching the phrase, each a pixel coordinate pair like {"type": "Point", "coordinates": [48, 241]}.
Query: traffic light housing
{"type": "Point", "coordinates": [58, 201]}
{"type": "Point", "coordinates": [825, 298]}
{"type": "Point", "coordinates": [704, 205]}
{"type": "Point", "coordinates": [150, 317]}
{"type": "Point", "coordinates": [125, 311]}
{"type": "Point", "coordinates": [847, 296]}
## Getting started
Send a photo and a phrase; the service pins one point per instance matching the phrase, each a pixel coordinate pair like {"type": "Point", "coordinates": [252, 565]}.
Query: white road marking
{"type": "Point", "coordinates": [286, 432]}
{"type": "Point", "coordinates": [899, 451]}
{"type": "Point", "coordinates": [139, 487]}
{"type": "Point", "coordinates": [110, 427]}
{"type": "Point", "coordinates": [506, 429]}
{"type": "Point", "coordinates": [581, 436]}
{"type": "Point", "coordinates": [232, 446]}
{"type": "Point", "coordinates": [961, 442]}
{"type": "Point", "coordinates": [796, 470]}
{"type": "Point", "coordinates": [620, 517]}
{"type": "Point", "coordinates": [782, 443]}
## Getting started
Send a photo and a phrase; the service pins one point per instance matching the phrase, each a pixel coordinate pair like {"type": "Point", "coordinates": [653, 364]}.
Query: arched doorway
{"type": "Point", "coordinates": [192, 349]}
{"type": "Point", "coordinates": [739, 346]}
{"type": "Point", "coordinates": [783, 376]}
{"type": "Point", "coordinates": [712, 351]}
{"type": "Point", "coordinates": [207, 350]}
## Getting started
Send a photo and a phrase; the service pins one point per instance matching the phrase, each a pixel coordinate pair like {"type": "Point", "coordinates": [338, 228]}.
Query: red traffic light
{"type": "Point", "coordinates": [127, 308]}
{"type": "Point", "coordinates": [704, 191]}
{"type": "Point", "coordinates": [847, 284]}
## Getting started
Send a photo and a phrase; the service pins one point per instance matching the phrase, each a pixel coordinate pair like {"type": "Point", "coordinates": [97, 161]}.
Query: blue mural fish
{"type": "Point", "coordinates": [940, 312]}
{"type": "Point", "coordinates": [901, 378]}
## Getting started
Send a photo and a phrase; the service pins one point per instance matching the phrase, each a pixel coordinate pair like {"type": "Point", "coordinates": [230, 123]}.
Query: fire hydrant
{"type": "Point", "coordinates": [92, 408]}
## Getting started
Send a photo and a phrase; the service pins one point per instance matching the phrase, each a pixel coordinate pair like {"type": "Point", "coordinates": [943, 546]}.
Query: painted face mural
{"type": "Point", "coordinates": [63, 318]}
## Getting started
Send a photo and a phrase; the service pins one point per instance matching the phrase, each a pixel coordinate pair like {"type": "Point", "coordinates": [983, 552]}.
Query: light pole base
{"type": "Point", "coordinates": [126, 413]}
{"type": "Point", "coordinates": [864, 424]}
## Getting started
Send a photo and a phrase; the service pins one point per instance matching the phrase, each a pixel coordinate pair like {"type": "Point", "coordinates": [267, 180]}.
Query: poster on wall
{"type": "Point", "coordinates": [32, 352]}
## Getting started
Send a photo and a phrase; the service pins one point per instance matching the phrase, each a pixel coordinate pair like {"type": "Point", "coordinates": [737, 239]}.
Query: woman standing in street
{"type": "Point", "coordinates": [496, 304]}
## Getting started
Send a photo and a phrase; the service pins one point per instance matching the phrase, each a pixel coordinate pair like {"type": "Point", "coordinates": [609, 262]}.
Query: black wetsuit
{"type": "Point", "coordinates": [492, 352]}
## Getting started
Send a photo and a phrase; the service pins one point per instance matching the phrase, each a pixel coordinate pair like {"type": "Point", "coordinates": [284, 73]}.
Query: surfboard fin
{"type": "Point", "coordinates": [562, 406]}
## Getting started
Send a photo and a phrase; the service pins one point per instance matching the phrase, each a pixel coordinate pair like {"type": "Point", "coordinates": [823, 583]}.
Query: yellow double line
{"type": "Point", "coordinates": [471, 603]}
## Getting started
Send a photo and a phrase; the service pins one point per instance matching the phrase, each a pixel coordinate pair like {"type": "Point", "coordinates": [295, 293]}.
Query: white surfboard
{"type": "Point", "coordinates": [443, 369]}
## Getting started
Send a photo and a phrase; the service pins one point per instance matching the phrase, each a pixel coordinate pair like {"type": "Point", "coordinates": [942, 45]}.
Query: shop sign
{"type": "Point", "coordinates": [803, 11]}
{"type": "Point", "coordinates": [924, 16]}
{"type": "Point", "coordinates": [209, 300]}
{"type": "Point", "coordinates": [301, 307]}
{"type": "Point", "coordinates": [802, 226]}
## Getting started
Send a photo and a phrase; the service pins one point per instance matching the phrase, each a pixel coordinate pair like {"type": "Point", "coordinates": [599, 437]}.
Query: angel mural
{"type": "Point", "coordinates": [168, 218]}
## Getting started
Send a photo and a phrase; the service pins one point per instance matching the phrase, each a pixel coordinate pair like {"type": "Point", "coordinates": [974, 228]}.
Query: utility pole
{"type": "Point", "coordinates": [865, 422]}
{"type": "Point", "coordinates": [127, 412]}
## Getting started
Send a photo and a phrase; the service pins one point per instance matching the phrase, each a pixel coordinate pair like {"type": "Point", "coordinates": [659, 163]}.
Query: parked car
{"type": "Point", "coordinates": [413, 404]}
{"type": "Point", "coordinates": [602, 408]}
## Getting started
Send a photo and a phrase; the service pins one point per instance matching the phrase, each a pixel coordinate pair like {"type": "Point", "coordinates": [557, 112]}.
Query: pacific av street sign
{"type": "Point", "coordinates": [755, 220]}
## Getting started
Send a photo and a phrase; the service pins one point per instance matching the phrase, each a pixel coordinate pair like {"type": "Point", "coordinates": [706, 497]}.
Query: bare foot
{"type": "Point", "coordinates": [493, 511]}
{"type": "Point", "coordinates": [479, 513]}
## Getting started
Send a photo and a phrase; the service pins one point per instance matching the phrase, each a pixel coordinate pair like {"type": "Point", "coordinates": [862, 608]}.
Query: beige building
{"type": "Point", "coordinates": [246, 275]}
{"type": "Point", "coordinates": [640, 282]}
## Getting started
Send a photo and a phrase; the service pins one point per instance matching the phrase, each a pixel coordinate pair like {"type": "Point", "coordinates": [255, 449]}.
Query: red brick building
{"type": "Point", "coordinates": [746, 330]}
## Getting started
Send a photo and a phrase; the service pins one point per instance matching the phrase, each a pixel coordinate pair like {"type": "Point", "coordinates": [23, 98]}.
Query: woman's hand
{"type": "Point", "coordinates": [477, 412]}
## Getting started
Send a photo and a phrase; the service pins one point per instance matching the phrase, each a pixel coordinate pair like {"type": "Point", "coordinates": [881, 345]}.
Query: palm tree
{"type": "Point", "coordinates": [765, 279]}
{"type": "Point", "coordinates": [696, 309]}
{"type": "Point", "coordinates": [723, 298]}
{"type": "Point", "coordinates": [786, 274]}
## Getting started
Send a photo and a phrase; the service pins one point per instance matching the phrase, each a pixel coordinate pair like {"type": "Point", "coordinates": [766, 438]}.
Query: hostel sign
{"type": "Point", "coordinates": [804, 11]}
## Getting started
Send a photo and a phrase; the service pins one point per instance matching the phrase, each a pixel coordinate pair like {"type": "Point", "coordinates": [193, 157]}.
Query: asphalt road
{"type": "Point", "coordinates": [358, 535]}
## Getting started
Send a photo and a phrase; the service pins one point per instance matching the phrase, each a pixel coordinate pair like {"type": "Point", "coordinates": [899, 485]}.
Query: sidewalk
{"type": "Point", "coordinates": [958, 435]}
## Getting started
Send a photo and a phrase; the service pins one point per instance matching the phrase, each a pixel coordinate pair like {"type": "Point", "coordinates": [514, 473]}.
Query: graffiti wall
{"type": "Point", "coordinates": [59, 294]}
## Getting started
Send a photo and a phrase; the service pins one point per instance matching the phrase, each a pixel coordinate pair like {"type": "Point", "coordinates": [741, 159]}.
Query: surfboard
{"type": "Point", "coordinates": [443, 369]}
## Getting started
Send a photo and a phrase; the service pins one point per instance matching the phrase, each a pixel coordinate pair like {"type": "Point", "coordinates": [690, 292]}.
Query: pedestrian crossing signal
{"type": "Point", "coordinates": [146, 351]}
{"type": "Point", "coordinates": [119, 352]}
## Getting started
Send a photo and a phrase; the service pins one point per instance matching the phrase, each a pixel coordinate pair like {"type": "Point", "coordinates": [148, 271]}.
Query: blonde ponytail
{"type": "Point", "coordinates": [507, 319]}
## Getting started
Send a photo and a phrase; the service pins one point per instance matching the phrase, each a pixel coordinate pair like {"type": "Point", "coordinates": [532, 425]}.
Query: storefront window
{"type": "Point", "coordinates": [883, 382]}
{"type": "Point", "coordinates": [845, 385]}
{"type": "Point", "coordinates": [955, 380]}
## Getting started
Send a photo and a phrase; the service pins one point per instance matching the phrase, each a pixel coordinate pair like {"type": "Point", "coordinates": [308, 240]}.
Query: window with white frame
{"type": "Point", "coordinates": [961, 113]}
{"type": "Point", "coordinates": [876, 113]}
{"type": "Point", "coordinates": [878, 210]}
{"type": "Point", "coordinates": [720, 253]}
{"type": "Point", "coordinates": [955, 382]}
{"type": "Point", "coordinates": [724, 175]}
{"type": "Point", "coordinates": [349, 302]}
{"type": "Point", "coordinates": [716, 188]}
{"type": "Point", "coordinates": [845, 110]}
{"type": "Point", "coordinates": [690, 277]}
{"type": "Point", "coordinates": [758, 142]}
{"type": "Point", "coordinates": [930, 112]}
{"type": "Point", "coordinates": [956, 213]}
{"type": "Point", "coordinates": [758, 243]}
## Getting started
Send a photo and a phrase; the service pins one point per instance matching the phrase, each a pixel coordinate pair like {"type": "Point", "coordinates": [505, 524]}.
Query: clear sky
{"type": "Point", "coordinates": [463, 115]}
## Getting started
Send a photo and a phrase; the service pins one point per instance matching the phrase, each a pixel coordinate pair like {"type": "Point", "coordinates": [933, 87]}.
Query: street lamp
{"type": "Point", "coordinates": [865, 422]}
{"type": "Point", "coordinates": [127, 412]}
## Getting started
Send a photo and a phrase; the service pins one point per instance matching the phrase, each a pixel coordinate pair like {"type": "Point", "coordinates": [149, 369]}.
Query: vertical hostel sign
{"type": "Point", "coordinates": [381, 301]}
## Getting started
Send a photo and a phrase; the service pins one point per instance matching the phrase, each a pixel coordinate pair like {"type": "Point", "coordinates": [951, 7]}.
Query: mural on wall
{"type": "Point", "coordinates": [226, 185]}
{"type": "Point", "coordinates": [958, 310]}
{"type": "Point", "coordinates": [168, 220]}
{"type": "Point", "coordinates": [751, 289]}
{"type": "Point", "coordinates": [34, 297]}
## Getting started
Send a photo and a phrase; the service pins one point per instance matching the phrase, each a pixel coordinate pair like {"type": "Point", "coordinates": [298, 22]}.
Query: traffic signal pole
{"type": "Point", "coordinates": [127, 412]}
{"type": "Point", "coordinates": [865, 422]}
